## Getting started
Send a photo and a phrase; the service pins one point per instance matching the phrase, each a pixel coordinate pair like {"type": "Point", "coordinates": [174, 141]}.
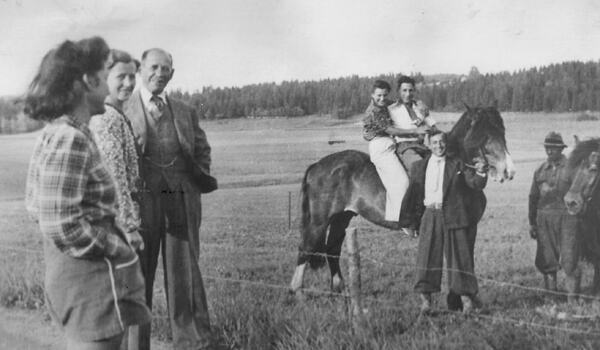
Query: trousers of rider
{"type": "Point", "coordinates": [556, 241]}
{"type": "Point", "coordinates": [435, 241]}
{"type": "Point", "coordinates": [392, 174]}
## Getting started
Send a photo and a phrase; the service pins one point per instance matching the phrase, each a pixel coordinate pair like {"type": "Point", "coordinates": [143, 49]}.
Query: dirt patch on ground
{"type": "Point", "coordinates": [31, 330]}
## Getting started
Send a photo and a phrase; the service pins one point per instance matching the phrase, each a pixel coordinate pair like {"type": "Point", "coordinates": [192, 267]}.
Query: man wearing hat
{"type": "Point", "coordinates": [550, 224]}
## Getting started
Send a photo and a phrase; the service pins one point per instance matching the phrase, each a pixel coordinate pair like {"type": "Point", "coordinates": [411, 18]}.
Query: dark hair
{"type": "Point", "coordinates": [405, 79]}
{"type": "Point", "coordinates": [382, 84]}
{"type": "Point", "coordinates": [438, 132]}
{"type": "Point", "coordinates": [145, 54]}
{"type": "Point", "coordinates": [117, 56]}
{"type": "Point", "coordinates": [53, 91]}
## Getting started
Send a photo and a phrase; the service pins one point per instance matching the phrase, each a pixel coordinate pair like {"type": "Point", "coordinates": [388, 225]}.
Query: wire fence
{"type": "Point", "coordinates": [392, 305]}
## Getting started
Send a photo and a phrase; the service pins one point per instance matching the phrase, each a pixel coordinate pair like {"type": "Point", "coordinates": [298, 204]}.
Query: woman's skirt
{"type": "Point", "coordinates": [94, 299]}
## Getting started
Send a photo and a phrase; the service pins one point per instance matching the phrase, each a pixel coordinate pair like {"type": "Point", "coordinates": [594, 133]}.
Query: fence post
{"type": "Point", "coordinates": [354, 278]}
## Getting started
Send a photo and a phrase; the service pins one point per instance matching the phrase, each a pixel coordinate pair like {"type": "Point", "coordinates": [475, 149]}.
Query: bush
{"type": "Point", "coordinates": [586, 116]}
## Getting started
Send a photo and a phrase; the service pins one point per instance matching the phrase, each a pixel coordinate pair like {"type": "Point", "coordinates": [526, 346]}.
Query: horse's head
{"type": "Point", "coordinates": [585, 161]}
{"type": "Point", "coordinates": [480, 134]}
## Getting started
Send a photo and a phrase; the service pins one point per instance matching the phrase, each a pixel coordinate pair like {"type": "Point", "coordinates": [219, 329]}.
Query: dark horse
{"type": "Point", "coordinates": [345, 184]}
{"type": "Point", "coordinates": [583, 200]}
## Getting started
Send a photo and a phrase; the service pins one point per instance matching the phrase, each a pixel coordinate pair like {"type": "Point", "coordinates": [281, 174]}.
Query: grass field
{"type": "Point", "coordinates": [248, 252]}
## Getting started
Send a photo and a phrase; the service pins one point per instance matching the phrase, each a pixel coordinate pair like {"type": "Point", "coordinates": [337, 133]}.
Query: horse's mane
{"type": "Point", "coordinates": [476, 125]}
{"type": "Point", "coordinates": [582, 151]}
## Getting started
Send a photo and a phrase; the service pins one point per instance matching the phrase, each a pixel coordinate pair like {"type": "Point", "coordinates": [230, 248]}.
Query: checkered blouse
{"type": "Point", "coordinates": [71, 193]}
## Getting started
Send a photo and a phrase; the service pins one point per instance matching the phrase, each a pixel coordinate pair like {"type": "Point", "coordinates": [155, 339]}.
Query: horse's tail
{"type": "Point", "coordinates": [309, 252]}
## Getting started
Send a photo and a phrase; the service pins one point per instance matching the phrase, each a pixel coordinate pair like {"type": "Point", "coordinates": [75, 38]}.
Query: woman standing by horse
{"type": "Point", "coordinates": [93, 282]}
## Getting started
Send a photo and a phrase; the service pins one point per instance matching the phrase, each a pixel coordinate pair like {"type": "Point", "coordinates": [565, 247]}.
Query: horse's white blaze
{"type": "Point", "coordinates": [298, 278]}
{"type": "Point", "coordinates": [510, 166]}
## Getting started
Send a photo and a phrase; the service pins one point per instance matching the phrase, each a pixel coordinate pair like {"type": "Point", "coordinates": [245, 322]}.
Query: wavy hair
{"type": "Point", "coordinates": [117, 56]}
{"type": "Point", "coordinates": [54, 90]}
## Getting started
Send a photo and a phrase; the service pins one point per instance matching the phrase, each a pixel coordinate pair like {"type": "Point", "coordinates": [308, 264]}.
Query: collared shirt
{"type": "Point", "coordinates": [551, 183]}
{"type": "Point", "coordinates": [434, 180]}
{"type": "Point", "coordinates": [401, 118]}
{"type": "Point", "coordinates": [147, 96]}
{"type": "Point", "coordinates": [376, 120]}
{"type": "Point", "coordinates": [71, 194]}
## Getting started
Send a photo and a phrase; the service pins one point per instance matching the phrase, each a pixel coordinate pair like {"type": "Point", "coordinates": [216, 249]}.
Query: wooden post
{"type": "Point", "coordinates": [289, 210]}
{"type": "Point", "coordinates": [354, 278]}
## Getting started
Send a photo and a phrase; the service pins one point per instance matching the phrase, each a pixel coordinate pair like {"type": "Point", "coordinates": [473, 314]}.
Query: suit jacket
{"type": "Point", "coordinates": [191, 137]}
{"type": "Point", "coordinates": [457, 184]}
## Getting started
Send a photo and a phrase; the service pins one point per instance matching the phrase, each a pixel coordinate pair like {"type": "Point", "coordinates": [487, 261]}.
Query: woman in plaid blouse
{"type": "Point", "coordinates": [93, 283]}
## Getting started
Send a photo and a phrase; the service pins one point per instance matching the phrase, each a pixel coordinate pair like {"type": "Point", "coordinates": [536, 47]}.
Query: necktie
{"type": "Point", "coordinates": [411, 111]}
{"type": "Point", "coordinates": [157, 107]}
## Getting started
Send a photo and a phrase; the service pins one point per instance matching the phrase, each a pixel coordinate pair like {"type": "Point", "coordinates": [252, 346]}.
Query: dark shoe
{"type": "Point", "coordinates": [477, 303]}
{"type": "Point", "coordinates": [409, 232]}
{"type": "Point", "coordinates": [453, 301]}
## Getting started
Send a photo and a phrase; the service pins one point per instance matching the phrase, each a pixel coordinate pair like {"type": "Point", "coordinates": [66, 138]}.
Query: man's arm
{"type": "Point", "coordinates": [202, 150]}
{"type": "Point", "coordinates": [201, 158]}
{"type": "Point", "coordinates": [534, 197]}
{"type": "Point", "coordinates": [475, 178]}
{"type": "Point", "coordinates": [394, 131]}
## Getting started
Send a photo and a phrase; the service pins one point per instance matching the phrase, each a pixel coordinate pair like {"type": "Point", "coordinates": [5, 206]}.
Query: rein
{"type": "Point", "coordinates": [483, 156]}
{"type": "Point", "coordinates": [588, 198]}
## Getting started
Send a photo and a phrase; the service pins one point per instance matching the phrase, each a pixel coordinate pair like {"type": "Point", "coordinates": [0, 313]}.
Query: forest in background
{"type": "Point", "coordinates": [567, 86]}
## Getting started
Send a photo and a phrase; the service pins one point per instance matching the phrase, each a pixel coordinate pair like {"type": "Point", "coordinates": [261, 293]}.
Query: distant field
{"type": "Point", "coordinates": [246, 241]}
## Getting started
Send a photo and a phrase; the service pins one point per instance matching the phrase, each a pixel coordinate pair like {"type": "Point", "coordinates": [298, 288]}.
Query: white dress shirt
{"type": "Point", "coordinates": [434, 180]}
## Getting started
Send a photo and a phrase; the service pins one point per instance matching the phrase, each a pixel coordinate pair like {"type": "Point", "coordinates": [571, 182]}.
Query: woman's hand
{"type": "Point", "coordinates": [423, 130]}
{"type": "Point", "coordinates": [136, 240]}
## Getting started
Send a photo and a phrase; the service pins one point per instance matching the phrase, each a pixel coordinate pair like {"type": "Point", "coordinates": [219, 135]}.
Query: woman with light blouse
{"type": "Point", "coordinates": [114, 137]}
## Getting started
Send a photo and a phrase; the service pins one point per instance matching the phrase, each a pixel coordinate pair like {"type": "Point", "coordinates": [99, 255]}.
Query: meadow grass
{"type": "Point", "coordinates": [248, 251]}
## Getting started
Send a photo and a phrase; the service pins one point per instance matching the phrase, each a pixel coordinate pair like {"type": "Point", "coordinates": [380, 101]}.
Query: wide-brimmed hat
{"type": "Point", "coordinates": [553, 139]}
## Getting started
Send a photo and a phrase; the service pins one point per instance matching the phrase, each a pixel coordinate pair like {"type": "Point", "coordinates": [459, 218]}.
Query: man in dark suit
{"type": "Point", "coordinates": [437, 202]}
{"type": "Point", "coordinates": [175, 169]}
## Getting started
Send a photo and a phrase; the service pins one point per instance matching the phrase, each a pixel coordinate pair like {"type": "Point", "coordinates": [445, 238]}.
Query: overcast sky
{"type": "Point", "coordinates": [239, 42]}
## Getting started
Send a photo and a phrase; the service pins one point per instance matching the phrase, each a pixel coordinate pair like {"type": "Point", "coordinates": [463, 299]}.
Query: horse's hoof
{"type": "Point", "coordinates": [572, 299]}
{"type": "Point", "coordinates": [299, 295]}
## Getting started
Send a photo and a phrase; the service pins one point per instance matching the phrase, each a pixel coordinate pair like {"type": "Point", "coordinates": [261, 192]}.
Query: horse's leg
{"type": "Point", "coordinates": [298, 278]}
{"type": "Point", "coordinates": [569, 256]}
{"type": "Point", "coordinates": [337, 233]}
{"type": "Point", "coordinates": [311, 252]}
{"type": "Point", "coordinates": [596, 282]}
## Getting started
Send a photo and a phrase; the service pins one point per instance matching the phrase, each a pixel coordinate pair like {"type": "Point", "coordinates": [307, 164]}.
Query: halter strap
{"type": "Point", "coordinates": [483, 156]}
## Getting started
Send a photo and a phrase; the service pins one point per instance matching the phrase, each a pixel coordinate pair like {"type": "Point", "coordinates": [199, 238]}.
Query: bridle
{"type": "Point", "coordinates": [592, 190]}
{"type": "Point", "coordinates": [483, 156]}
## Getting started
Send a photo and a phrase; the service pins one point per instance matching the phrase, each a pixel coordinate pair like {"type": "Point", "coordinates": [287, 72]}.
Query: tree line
{"type": "Point", "coordinates": [568, 86]}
